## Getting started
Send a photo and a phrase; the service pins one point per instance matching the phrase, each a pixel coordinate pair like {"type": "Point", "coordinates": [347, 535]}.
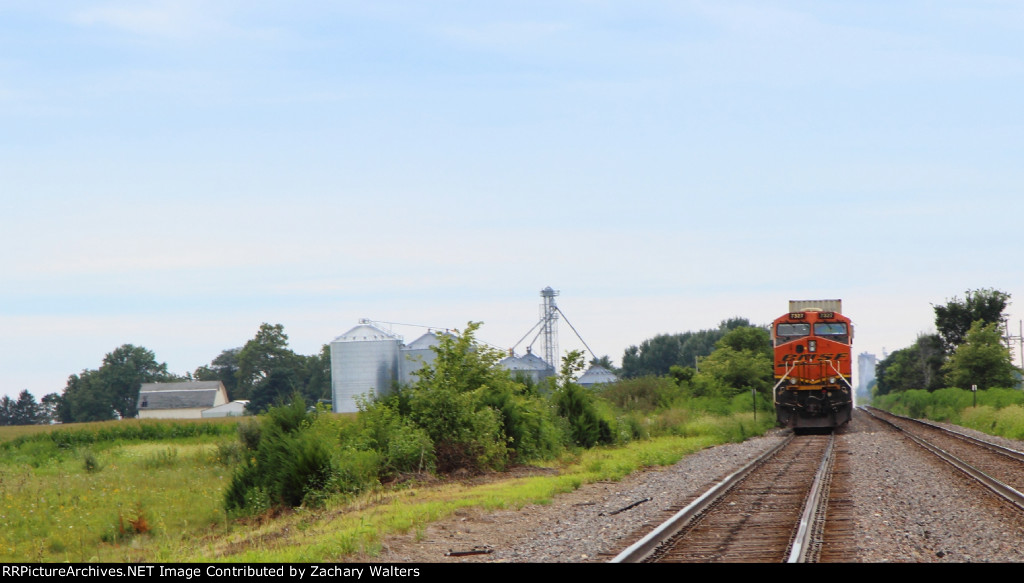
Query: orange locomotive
{"type": "Point", "coordinates": [813, 386]}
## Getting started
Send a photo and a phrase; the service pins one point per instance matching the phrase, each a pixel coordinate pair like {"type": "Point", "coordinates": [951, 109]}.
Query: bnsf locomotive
{"type": "Point", "coordinates": [812, 365]}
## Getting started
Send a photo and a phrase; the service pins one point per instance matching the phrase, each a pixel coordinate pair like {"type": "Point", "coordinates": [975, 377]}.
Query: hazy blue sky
{"type": "Point", "coordinates": [175, 173]}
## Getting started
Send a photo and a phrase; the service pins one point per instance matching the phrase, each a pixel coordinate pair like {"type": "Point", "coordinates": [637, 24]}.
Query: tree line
{"type": "Point", "coordinates": [263, 371]}
{"type": "Point", "coordinates": [967, 349]}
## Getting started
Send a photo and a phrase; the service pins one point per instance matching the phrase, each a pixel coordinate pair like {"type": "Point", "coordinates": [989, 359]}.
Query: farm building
{"type": "Point", "coordinates": [232, 409]}
{"type": "Point", "coordinates": [184, 400]}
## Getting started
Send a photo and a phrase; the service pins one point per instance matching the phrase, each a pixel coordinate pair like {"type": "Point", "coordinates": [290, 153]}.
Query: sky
{"type": "Point", "coordinates": [175, 173]}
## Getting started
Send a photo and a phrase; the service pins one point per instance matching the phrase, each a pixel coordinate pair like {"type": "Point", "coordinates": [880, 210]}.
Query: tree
{"type": "Point", "coordinates": [266, 352]}
{"type": "Point", "coordinates": [49, 408]}
{"type": "Point", "coordinates": [955, 318]}
{"type": "Point", "coordinates": [657, 355]}
{"type": "Point", "coordinates": [224, 368]}
{"type": "Point", "coordinates": [123, 372]}
{"type": "Point", "coordinates": [576, 405]}
{"type": "Point", "coordinates": [112, 390]}
{"type": "Point", "coordinates": [85, 400]}
{"type": "Point", "coordinates": [603, 362]}
{"type": "Point", "coordinates": [750, 338]}
{"type": "Point", "coordinates": [278, 388]}
{"type": "Point", "coordinates": [316, 375]}
{"type": "Point", "coordinates": [981, 359]}
{"type": "Point", "coordinates": [742, 361]}
{"type": "Point", "coordinates": [918, 366]}
{"type": "Point", "coordinates": [23, 411]}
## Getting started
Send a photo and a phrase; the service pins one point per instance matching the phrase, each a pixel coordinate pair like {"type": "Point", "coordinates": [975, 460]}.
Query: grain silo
{"type": "Point", "coordinates": [418, 353]}
{"type": "Point", "coordinates": [364, 361]}
{"type": "Point", "coordinates": [596, 375]}
{"type": "Point", "coordinates": [529, 365]}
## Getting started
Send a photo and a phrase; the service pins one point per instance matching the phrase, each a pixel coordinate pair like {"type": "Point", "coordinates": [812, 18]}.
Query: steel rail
{"type": "Point", "coordinates": [804, 539]}
{"type": "Point", "coordinates": [1008, 493]}
{"type": "Point", "coordinates": [1008, 452]}
{"type": "Point", "coordinates": [643, 548]}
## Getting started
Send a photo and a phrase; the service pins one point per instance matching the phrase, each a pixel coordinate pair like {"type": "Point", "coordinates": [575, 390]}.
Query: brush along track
{"type": "Point", "coordinates": [999, 469]}
{"type": "Point", "coordinates": [763, 513]}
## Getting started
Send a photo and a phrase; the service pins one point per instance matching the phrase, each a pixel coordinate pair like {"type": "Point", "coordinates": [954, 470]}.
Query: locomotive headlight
{"type": "Point", "coordinates": [812, 345]}
{"type": "Point", "coordinates": [831, 380]}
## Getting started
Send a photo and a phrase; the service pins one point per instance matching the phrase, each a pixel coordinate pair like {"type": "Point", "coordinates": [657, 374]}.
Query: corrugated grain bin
{"type": "Point", "coordinates": [364, 360]}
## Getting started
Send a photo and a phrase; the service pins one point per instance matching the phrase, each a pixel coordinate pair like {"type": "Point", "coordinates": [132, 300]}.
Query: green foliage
{"type": "Point", "coordinates": [291, 461]}
{"type": "Point", "coordinates": [981, 360]}
{"type": "Point", "coordinates": [657, 355]}
{"type": "Point", "coordinates": [954, 319]}
{"type": "Point", "coordinates": [90, 462]}
{"type": "Point", "coordinates": [915, 367]}
{"type": "Point", "coordinates": [998, 412]}
{"type": "Point", "coordinates": [646, 393]}
{"type": "Point", "coordinates": [448, 402]}
{"type": "Point", "coordinates": [23, 411]}
{"type": "Point", "coordinates": [112, 390]}
{"type": "Point", "coordinates": [527, 421]}
{"type": "Point", "coordinates": [1000, 397]}
{"type": "Point", "coordinates": [575, 404]}
{"type": "Point", "coordinates": [223, 368]}
{"type": "Point", "coordinates": [402, 446]}
{"type": "Point", "coordinates": [741, 361]}
{"type": "Point", "coordinates": [463, 413]}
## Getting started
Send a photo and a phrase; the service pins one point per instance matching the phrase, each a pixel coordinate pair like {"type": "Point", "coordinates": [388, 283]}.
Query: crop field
{"type": "Point", "coordinates": [114, 499]}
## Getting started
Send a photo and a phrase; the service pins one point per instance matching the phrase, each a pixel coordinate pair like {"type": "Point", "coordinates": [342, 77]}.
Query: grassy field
{"type": "Point", "coordinates": [117, 493]}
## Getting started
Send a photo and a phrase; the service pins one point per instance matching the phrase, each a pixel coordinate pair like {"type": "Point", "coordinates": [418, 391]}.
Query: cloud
{"type": "Point", "coordinates": [161, 19]}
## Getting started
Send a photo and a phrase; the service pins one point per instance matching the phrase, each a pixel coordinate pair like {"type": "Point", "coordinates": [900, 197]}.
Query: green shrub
{"type": "Point", "coordinates": [292, 464]}
{"type": "Point", "coordinates": [90, 462]}
{"type": "Point", "coordinates": [647, 393]}
{"type": "Point", "coordinates": [527, 421]}
{"type": "Point", "coordinates": [587, 427]}
{"type": "Point", "coordinates": [401, 445]}
{"type": "Point", "coordinates": [249, 433]}
{"type": "Point", "coordinates": [228, 453]}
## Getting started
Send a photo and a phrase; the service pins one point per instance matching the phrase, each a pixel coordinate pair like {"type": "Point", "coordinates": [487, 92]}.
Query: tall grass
{"type": "Point", "coordinates": [998, 411]}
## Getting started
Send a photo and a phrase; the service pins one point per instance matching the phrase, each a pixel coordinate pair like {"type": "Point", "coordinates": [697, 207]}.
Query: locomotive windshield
{"type": "Point", "coordinates": [789, 332]}
{"type": "Point", "coordinates": [833, 330]}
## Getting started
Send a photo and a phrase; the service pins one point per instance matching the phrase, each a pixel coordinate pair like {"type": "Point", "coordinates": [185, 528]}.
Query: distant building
{"type": "Point", "coordinates": [181, 400]}
{"type": "Point", "coordinates": [529, 365]}
{"type": "Point", "coordinates": [232, 409]}
{"type": "Point", "coordinates": [865, 373]}
{"type": "Point", "coordinates": [369, 361]}
{"type": "Point", "coordinates": [596, 375]}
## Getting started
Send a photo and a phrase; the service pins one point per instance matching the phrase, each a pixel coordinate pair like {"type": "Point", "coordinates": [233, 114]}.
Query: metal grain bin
{"type": "Point", "coordinates": [529, 365]}
{"type": "Point", "coordinates": [596, 375]}
{"type": "Point", "coordinates": [418, 353]}
{"type": "Point", "coordinates": [364, 360]}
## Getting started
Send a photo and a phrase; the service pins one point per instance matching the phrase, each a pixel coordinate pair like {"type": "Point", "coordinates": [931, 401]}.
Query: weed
{"type": "Point", "coordinates": [90, 463]}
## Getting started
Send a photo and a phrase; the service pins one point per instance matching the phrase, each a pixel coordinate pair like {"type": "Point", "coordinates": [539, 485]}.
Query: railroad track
{"type": "Point", "coordinates": [769, 511]}
{"type": "Point", "coordinates": [999, 469]}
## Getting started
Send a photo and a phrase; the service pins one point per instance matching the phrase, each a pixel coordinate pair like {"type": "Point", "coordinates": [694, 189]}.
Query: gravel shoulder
{"type": "Point", "coordinates": [908, 509]}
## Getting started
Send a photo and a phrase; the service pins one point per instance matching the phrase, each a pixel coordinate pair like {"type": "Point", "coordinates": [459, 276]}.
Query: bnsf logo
{"type": "Point", "coordinates": [813, 357]}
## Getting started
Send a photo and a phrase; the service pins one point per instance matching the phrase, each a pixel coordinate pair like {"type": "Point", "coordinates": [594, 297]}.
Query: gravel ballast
{"type": "Point", "coordinates": [908, 508]}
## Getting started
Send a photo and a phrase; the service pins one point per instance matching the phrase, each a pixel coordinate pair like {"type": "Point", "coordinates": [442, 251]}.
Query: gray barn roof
{"type": "Point", "coordinates": [185, 395]}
